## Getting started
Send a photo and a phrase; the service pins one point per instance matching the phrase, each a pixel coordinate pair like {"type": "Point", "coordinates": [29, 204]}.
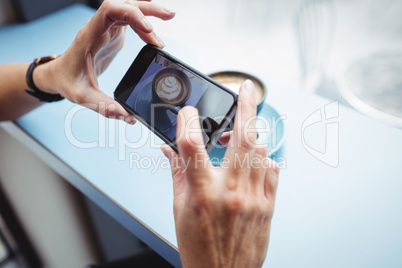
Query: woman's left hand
{"type": "Point", "coordinates": [74, 74]}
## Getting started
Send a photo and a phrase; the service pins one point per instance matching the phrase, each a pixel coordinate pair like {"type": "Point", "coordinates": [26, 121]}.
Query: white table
{"type": "Point", "coordinates": [347, 216]}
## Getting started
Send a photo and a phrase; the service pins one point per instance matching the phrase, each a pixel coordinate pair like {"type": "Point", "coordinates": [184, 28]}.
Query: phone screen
{"type": "Point", "coordinates": [162, 86]}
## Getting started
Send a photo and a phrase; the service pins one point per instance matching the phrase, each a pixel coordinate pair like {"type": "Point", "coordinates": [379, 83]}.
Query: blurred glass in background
{"type": "Point", "coordinates": [308, 44]}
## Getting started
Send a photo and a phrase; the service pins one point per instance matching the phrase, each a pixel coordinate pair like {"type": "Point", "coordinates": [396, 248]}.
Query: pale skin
{"type": "Point", "coordinates": [222, 214]}
{"type": "Point", "coordinates": [74, 74]}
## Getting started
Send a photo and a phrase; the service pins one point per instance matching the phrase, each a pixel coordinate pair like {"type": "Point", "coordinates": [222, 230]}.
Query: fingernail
{"type": "Point", "coordinates": [165, 149]}
{"type": "Point", "coordinates": [167, 10]}
{"type": "Point", "coordinates": [131, 120]}
{"type": "Point", "coordinates": [248, 84]}
{"type": "Point", "coordinates": [147, 24]}
{"type": "Point", "coordinates": [161, 43]}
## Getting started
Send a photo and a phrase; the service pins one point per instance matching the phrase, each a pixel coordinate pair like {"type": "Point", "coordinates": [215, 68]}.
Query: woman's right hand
{"type": "Point", "coordinates": [223, 214]}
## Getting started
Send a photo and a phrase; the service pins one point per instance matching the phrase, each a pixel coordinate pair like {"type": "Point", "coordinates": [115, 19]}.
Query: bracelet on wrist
{"type": "Point", "coordinates": [33, 90]}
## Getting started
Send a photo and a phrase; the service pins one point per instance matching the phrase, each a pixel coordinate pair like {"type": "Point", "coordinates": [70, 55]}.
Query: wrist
{"type": "Point", "coordinates": [43, 78]}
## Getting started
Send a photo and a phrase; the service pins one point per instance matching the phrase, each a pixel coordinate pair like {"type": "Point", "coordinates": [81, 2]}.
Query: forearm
{"type": "Point", "coordinates": [14, 101]}
{"type": "Point", "coordinates": [74, 74]}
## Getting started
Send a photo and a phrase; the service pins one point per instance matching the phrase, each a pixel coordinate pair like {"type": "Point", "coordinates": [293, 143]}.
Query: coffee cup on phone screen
{"type": "Point", "coordinates": [172, 87]}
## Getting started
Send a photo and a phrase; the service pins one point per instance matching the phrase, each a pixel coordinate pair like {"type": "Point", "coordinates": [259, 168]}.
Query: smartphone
{"type": "Point", "coordinates": [157, 85]}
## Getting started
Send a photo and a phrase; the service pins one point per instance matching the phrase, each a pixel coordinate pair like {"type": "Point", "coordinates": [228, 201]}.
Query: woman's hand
{"type": "Point", "coordinates": [223, 214]}
{"type": "Point", "coordinates": [74, 74]}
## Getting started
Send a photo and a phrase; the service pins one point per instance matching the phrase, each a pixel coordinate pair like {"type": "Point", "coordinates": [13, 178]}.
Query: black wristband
{"type": "Point", "coordinates": [34, 91]}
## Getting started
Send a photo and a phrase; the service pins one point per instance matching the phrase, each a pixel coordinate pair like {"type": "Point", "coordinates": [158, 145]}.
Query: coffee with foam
{"type": "Point", "coordinates": [171, 86]}
{"type": "Point", "coordinates": [233, 81]}
{"type": "Point", "coordinates": [170, 89]}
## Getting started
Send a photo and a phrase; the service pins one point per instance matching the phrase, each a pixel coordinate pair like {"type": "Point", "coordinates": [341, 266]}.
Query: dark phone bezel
{"type": "Point", "coordinates": [134, 75]}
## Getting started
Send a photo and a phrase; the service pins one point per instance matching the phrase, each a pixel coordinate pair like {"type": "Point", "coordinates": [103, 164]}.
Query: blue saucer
{"type": "Point", "coordinates": [271, 131]}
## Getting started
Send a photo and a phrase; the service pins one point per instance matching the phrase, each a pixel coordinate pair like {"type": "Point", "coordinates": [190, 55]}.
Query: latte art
{"type": "Point", "coordinates": [170, 89]}
{"type": "Point", "coordinates": [171, 86]}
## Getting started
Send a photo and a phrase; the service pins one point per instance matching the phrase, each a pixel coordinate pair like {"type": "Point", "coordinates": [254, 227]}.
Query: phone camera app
{"type": "Point", "coordinates": [166, 87]}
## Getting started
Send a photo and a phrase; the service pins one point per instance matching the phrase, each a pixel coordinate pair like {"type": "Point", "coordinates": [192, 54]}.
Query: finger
{"type": "Point", "coordinates": [225, 138]}
{"type": "Point", "coordinates": [113, 11]}
{"type": "Point", "coordinates": [258, 169]}
{"type": "Point", "coordinates": [271, 178]}
{"type": "Point", "coordinates": [174, 162]}
{"type": "Point", "coordinates": [244, 132]}
{"type": "Point", "coordinates": [168, 152]}
{"type": "Point", "coordinates": [120, 24]}
{"type": "Point", "coordinates": [105, 56]}
{"type": "Point", "coordinates": [261, 149]}
{"type": "Point", "coordinates": [179, 181]}
{"type": "Point", "coordinates": [106, 106]}
{"type": "Point", "coordinates": [151, 38]}
{"type": "Point", "coordinates": [191, 145]}
{"type": "Point", "coordinates": [151, 9]}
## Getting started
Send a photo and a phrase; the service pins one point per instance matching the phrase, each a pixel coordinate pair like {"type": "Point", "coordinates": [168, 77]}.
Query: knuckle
{"type": "Point", "coordinates": [176, 172]}
{"type": "Point", "coordinates": [201, 202]}
{"type": "Point", "coordinates": [262, 148]}
{"type": "Point", "coordinates": [249, 109]}
{"type": "Point", "coordinates": [190, 142]}
{"type": "Point", "coordinates": [185, 143]}
{"type": "Point", "coordinates": [119, 44]}
{"type": "Point", "coordinates": [272, 166]}
{"type": "Point", "coordinates": [267, 212]}
{"type": "Point", "coordinates": [246, 144]}
{"type": "Point", "coordinates": [256, 210]}
{"type": "Point", "coordinates": [234, 203]}
{"type": "Point", "coordinates": [247, 139]}
{"type": "Point", "coordinates": [81, 32]}
{"type": "Point", "coordinates": [105, 5]}
{"type": "Point", "coordinates": [103, 110]}
{"type": "Point", "coordinates": [275, 167]}
{"type": "Point", "coordinates": [252, 137]}
{"type": "Point", "coordinates": [78, 98]}
{"type": "Point", "coordinates": [106, 109]}
{"type": "Point", "coordinates": [131, 2]}
{"type": "Point", "coordinates": [248, 101]}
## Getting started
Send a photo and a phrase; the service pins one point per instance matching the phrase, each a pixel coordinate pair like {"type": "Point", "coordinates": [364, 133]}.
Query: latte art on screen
{"type": "Point", "coordinates": [170, 89]}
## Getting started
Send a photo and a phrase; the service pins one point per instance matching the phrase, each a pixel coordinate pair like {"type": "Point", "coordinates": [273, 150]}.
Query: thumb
{"type": "Point", "coordinates": [106, 106]}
